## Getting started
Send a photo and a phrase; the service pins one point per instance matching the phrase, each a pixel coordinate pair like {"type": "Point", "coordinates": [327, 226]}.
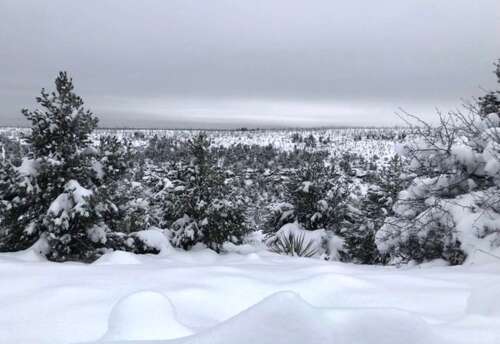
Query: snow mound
{"type": "Point", "coordinates": [144, 315]}
{"type": "Point", "coordinates": [33, 254]}
{"type": "Point", "coordinates": [118, 258]}
{"type": "Point", "coordinates": [155, 238]}
{"type": "Point", "coordinates": [285, 317]}
{"type": "Point", "coordinates": [243, 249]}
{"type": "Point", "coordinates": [485, 301]}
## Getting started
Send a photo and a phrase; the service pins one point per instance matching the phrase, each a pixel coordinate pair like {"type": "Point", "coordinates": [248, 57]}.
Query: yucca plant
{"type": "Point", "coordinates": [293, 245]}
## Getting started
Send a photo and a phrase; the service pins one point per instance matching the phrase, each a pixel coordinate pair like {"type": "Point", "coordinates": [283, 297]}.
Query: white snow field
{"type": "Point", "coordinates": [248, 297]}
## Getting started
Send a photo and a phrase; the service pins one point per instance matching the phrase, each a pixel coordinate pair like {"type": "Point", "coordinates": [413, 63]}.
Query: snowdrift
{"type": "Point", "coordinates": [285, 317]}
{"type": "Point", "coordinates": [260, 297]}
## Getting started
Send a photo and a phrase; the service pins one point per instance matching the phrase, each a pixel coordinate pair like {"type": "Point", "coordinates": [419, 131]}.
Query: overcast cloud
{"type": "Point", "coordinates": [249, 63]}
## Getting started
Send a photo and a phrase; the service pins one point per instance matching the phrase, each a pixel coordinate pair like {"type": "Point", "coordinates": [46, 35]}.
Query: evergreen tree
{"type": "Point", "coordinates": [57, 166]}
{"type": "Point", "coordinates": [490, 102]}
{"type": "Point", "coordinates": [372, 210]}
{"type": "Point", "coordinates": [17, 209]}
{"type": "Point", "coordinates": [318, 194]}
{"type": "Point", "coordinates": [55, 194]}
{"type": "Point", "coordinates": [202, 208]}
{"type": "Point", "coordinates": [125, 203]}
{"type": "Point", "coordinates": [359, 238]}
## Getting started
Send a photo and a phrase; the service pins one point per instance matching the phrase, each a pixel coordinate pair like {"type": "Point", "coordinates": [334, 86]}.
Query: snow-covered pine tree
{"type": "Point", "coordinates": [53, 194]}
{"type": "Point", "coordinates": [374, 207]}
{"type": "Point", "coordinates": [490, 102]}
{"type": "Point", "coordinates": [186, 205]}
{"type": "Point", "coordinates": [125, 204]}
{"type": "Point", "coordinates": [225, 221]}
{"type": "Point", "coordinates": [54, 174]}
{"type": "Point", "coordinates": [202, 208]}
{"type": "Point", "coordinates": [359, 237]}
{"type": "Point", "coordinates": [316, 197]}
{"type": "Point", "coordinates": [306, 190]}
{"type": "Point", "coordinates": [318, 194]}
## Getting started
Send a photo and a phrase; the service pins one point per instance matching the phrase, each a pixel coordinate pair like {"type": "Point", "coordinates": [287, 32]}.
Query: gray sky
{"type": "Point", "coordinates": [249, 63]}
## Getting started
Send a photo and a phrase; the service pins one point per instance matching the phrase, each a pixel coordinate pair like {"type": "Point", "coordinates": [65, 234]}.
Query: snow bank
{"type": "Point", "coordinates": [153, 237]}
{"type": "Point", "coordinates": [118, 258]}
{"type": "Point", "coordinates": [144, 315]}
{"type": "Point", "coordinates": [238, 298]}
{"type": "Point", "coordinates": [33, 254]}
{"type": "Point", "coordinates": [285, 317]}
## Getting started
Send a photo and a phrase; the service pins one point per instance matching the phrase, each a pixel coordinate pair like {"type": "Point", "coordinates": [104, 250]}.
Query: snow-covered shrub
{"type": "Point", "coordinates": [318, 198]}
{"type": "Point", "coordinates": [318, 195]}
{"type": "Point", "coordinates": [293, 240]}
{"type": "Point", "coordinates": [420, 230]}
{"type": "Point", "coordinates": [185, 232]}
{"type": "Point", "coordinates": [70, 225]}
{"type": "Point", "coordinates": [114, 159]}
{"type": "Point", "coordinates": [162, 149]}
{"type": "Point", "coordinates": [451, 207]}
{"type": "Point", "coordinates": [132, 209]}
{"type": "Point", "coordinates": [225, 222]}
{"type": "Point", "coordinates": [10, 149]}
{"type": "Point", "coordinates": [310, 141]}
{"type": "Point", "coordinates": [201, 206]}
{"type": "Point", "coordinates": [126, 203]}
{"type": "Point", "coordinates": [359, 237]}
{"type": "Point", "coordinates": [19, 207]}
{"type": "Point", "coordinates": [293, 245]}
{"type": "Point", "coordinates": [372, 210]}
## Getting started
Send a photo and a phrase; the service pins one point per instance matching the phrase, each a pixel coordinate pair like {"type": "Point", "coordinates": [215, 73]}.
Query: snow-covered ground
{"type": "Point", "coordinates": [250, 297]}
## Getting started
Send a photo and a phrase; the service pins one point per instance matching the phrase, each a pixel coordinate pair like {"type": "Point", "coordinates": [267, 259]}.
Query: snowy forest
{"type": "Point", "coordinates": [369, 196]}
